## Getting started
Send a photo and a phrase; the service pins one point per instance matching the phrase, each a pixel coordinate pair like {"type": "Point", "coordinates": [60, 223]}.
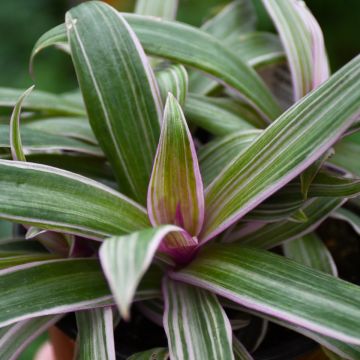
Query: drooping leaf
{"type": "Point", "coordinates": [153, 354]}
{"type": "Point", "coordinates": [71, 203]}
{"type": "Point", "coordinates": [96, 31]}
{"type": "Point", "coordinates": [350, 217]}
{"type": "Point", "coordinates": [195, 324]}
{"type": "Point", "coordinates": [175, 194]}
{"type": "Point", "coordinates": [288, 146]}
{"type": "Point", "coordinates": [125, 259]}
{"type": "Point", "coordinates": [95, 334]}
{"type": "Point", "coordinates": [15, 338]}
{"type": "Point", "coordinates": [303, 43]}
{"type": "Point", "coordinates": [15, 136]}
{"type": "Point", "coordinates": [279, 287]}
{"type": "Point", "coordinates": [165, 9]}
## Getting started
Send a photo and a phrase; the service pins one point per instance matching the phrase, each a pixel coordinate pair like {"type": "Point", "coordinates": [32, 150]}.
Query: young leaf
{"type": "Point", "coordinates": [288, 146]}
{"type": "Point", "coordinates": [95, 334]}
{"type": "Point", "coordinates": [125, 259]}
{"type": "Point", "coordinates": [71, 203]}
{"type": "Point", "coordinates": [110, 62]}
{"type": "Point", "coordinates": [279, 287]}
{"type": "Point", "coordinates": [175, 194]}
{"type": "Point", "coordinates": [153, 354]}
{"type": "Point", "coordinates": [195, 324]}
{"type": "Point", "coordinates": [303, 42]}
{"type": "Point", "coordinates": [165, 9]}
{"type": "Point", "coordinates": [15, 137]}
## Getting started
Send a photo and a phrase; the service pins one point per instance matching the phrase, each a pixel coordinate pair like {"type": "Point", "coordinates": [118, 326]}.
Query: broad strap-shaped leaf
{"type": "Point", "coordinates": [196, 326]}
{"type": "Point", "coordinates": [110, 62]}
{"type": "Point", "coordinates": [303, 43]}
{"type": "Point", "coordinates": [190, 46]}
{"type": "Point", "coordinates": [15, 338]}
{"type": "Point", "coordinates": [276, 233]}
{"type": "Point", "coordinates": [125, 259]}
{"type": "Point", "coordinates": [71, 203]}
{"type": "Point", "coordinates": [174, 79]}
{"type": "Point", "coordinates": [165, 9]}
{"type": "Point", "coordinates": [350, 217]}
{"type": "Point", "coordinates": [95, 334]}
{"type": "Point", "coordinates": [311, 251]}
{"type": "Point", "coordinates": [281, 288]}
{"type": "Point", "coordinates": [175, 194]}
{"type": "Point", "coordinates": [41, 101]}
{"type": "Point", "coordinates": [153, 354]}
{"type": "Point", "coordinates": [287, 147]}
{"type": "Point", "coordinates": [15, 136]}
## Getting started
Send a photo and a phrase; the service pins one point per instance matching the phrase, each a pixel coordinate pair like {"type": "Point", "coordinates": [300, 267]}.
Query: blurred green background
{"type": "Point", "coordinates": [23, 21]}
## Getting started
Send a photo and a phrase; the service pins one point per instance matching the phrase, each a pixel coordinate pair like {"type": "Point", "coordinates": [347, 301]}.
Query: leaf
{"type": "Point", "coordinates": [350, 217]}
{"type": "Point", "coordinates": [240, 351]}
{"type": "Point", "coordinates": [15, 137]}
{"type": "Point", "coordinates": [195, 324]}
{"type": "Point", "coordinates": [71, 203]}
{"type": "Point", "coordinates": [281, 288]}
{"type": "Point", "coordinates": [95, 334]}
{"type": "Point", "coordinates": [287, 147]}
{"type": "Point", "coordinates": [311, 251]}
{"type": "Point", "coordinates": [24, 258]}
{"type": "Point", "coordinates": [165, 9]}
{"type": "Point", "coordinates": [274, 234]}
{"type": "Point", "coordinates": [175, 194]}
{"type": "Point", "coordinates": [125, 259]}
{"type": "Point", "coordinates": [41, 101]}
{"type": "Point", "coordinates": [174, 79]}
{"type": "Point", "coordinates": [96, 31]}
{"type": "Point", "coordinates": [153, 354]}
{"type": "Point", "coordinates": [303, 43]}
{"type": "Point", "coordinates": [15, 338]}
{"type": "Point", "coordinates": [179, 43]}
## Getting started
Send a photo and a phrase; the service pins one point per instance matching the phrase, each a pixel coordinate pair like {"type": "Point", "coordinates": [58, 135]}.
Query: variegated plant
{"type": "Point", "coordinates": [157, 187]}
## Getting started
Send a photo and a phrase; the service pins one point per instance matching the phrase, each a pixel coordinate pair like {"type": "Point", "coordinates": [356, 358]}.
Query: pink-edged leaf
{"type": "Point", "coordinates": [175, 194]}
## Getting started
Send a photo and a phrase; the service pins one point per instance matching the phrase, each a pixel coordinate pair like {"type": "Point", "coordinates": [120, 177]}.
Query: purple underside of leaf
{"type": "Point", "coordinates": [175, 194]}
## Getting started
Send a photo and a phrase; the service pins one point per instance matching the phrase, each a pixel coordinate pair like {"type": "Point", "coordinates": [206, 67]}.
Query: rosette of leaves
{"type": "Point", "coordinates": [167, 179]}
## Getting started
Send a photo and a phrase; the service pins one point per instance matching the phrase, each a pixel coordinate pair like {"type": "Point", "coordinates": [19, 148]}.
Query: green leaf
{"type": "Point", "coordinates": [41, 101]}
{"type": "Point", "coordinates": [276, 233]}
{"type": "Point", "coordinates": [95, 334]}
{"type": "Point", "coordinates": [175, 194]}
{"type": "Point", "coordinates": [15, 338]}
{"type": "Point", "coordinates": [278, 287]}
{"type": "Point", "coordinates": [287, 147]}
{"type": "Point", "coordinates": [71, 203]}
{"type": "Point", "coordinates": [15, 137]}
{"type": "Point", "coordinates": [125, 259]}
{"type": "Point", "coordinates": [195, 324]}
{"type": "Point", "coordinates": [96, 31]}
{"type": "Point", "coordinates": [24, 258]}
{"type": "Point", "coordinates": [303, 42]}
{"type": "Point", "coordinates": [165, 9]}
{"type": "Point", "coordinates": [153, 354]}
{"type": "Point", "coordinates": [350, 217]}
{"type": "Point", "coordinates": [240, 351]}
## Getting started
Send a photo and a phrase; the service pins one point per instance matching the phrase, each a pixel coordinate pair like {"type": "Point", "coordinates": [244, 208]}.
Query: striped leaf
{"type": "Point", "coordinates": [15, 137]}
{"type": "Point", "coordinates": [71, 203]}
{"type": "Point", "coordinates": [41, 101]}
{"type": "Point", "coordinates": [190, 46]}
{"type": "Point", "coordinates": [153, 354]}
{"type": "Point", "coordinates": [165, 9]}
{"type": "Point", "coordinates": [174, 79]}
{"type": "Point", "coordinates": [125, 259]}
{"type": "Point", "coordinates": [96, 31]}
{"type": "Point", "coordinates": [15, 338]}
{"type": "Point", "coordinates": [303, 43]}
{"type": "Point", "coordinates": [350, 217]}
{"type": "Point", "coordinates": [24, 258]}
{"type": "Point", "coordinates": [281, 288]}
{"type": "Point", "coordinates": [287, 147]}
{"type": "Point", "coordinates": [195, 324]}
{"type": "Point", "coordinates": [240, 352]}
{"type": "Point", "coordinates": [95, 334]}
{"type": "Point", "coordinates": [276, 233]}
{"type": "Point", "coordinates": [177, 198]}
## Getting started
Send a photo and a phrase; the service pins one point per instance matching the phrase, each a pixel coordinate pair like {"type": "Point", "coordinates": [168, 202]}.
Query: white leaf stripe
{"type": "Point", "coordinates": [125, 260]}
{"type": "Point", "coordinates": [95, 334]}
{"type": "Point", "coordinates": [288, 146]}
{"type": "Point", "coordinates": [195, 324]}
